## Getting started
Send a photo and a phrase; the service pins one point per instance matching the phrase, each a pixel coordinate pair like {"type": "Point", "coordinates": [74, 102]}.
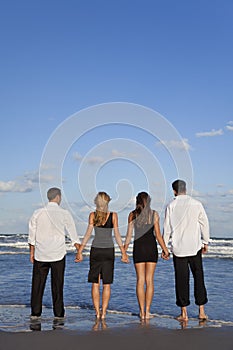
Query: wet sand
{"type": "Point", "coordinates": [80, 330]}
{"type": "Point", "coordinates": [120, 338]}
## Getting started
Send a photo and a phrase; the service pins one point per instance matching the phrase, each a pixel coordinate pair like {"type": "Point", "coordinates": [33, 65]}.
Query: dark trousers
{"type": "Point", "coordinates": [39, 277]}
{"type": "Point", "coordinates": [182, 266]}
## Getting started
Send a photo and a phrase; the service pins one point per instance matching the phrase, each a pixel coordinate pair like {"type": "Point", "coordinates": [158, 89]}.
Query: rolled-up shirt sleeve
{"type": "Point", "coordinates": [167, 227]}
{"type": "Point", "coordinates": [71, 228]}
{"type": "Point", "coordinates": [204, 224]}
{"type": "Point", "coordinates": [32, 229]}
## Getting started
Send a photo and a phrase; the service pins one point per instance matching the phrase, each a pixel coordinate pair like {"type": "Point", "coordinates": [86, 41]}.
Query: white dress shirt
{"type": "Point", "coordinates": [187, 225]}
{"type": "Point", "coordinates": [47, 229]}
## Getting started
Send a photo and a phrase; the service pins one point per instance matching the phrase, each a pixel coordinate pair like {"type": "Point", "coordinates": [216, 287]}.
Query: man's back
{"type": "Point", "coordinates": [185, 221]}
{"type": "Point", "coordinates": [47, 229]}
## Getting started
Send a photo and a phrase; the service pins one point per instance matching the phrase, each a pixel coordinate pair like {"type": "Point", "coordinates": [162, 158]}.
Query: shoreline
{"type": "Point", "coordinates": [119, 331]}
{"type": "Point", "coordinates": [17, 319]}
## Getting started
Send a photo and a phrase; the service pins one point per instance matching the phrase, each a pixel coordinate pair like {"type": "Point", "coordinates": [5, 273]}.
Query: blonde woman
{"type": "Point", "coordinates": [145, 223]}
{"type": "Point", "coordinates": [102, 251]}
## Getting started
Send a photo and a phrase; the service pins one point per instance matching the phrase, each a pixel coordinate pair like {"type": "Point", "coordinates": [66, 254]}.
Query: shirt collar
{"type": "Point", "coordinates": [54, 204]}
{"type": "Point", "coordinates": [180, 196]}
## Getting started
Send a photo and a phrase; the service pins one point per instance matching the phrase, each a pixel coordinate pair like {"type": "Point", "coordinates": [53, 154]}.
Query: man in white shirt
{"type": "Point", "coordinates": [186, 224]}
{"type": "Point", "coordinates": [47, 229]}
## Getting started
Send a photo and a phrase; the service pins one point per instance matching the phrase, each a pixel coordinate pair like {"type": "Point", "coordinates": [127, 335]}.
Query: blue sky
{"type": "Point", "coordinates": [62, 57]}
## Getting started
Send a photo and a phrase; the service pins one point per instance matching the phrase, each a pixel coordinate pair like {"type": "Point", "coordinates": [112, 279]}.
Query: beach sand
{"type": "Point", "coordinates": [140, 338]}
{"type": "Point", "coordinates": [80, 330]}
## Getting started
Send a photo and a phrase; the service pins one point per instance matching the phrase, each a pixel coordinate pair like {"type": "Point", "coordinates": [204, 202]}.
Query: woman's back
{"type": "Point", "coordinates": [144, 227]}
{"type": "Point", "coordinates": [103, 234]}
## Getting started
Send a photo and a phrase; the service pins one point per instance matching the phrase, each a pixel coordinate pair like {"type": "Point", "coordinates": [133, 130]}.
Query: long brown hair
{"type": "Point", "coordinates": [142, 213]}
{"type": "Point", "coordinates": [101, 201]}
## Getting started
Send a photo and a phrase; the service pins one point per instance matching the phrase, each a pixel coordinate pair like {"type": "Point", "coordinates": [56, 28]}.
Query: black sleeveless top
{"type": "Point", "coordinates": [145, 245]}
{"type": "Point", "coordinates": [103, 235]}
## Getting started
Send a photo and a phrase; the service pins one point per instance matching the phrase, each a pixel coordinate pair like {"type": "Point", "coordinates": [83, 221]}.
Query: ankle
{"type": "Point", "coordinates": [184, 312]}
{"type": "Point", "coordinates": [142, 314]}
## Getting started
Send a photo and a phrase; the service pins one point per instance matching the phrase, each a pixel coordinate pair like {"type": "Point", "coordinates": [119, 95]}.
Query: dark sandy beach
{"type": "Point", "coordinates": [80, 330]}
{"type": "Point", "coordinates": [141, 338]}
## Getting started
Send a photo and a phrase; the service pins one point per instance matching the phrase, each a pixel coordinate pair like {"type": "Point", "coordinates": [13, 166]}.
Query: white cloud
{"type": "Point", "coordinates": [211, 133]}
{"type": "Point", "coordinates": [229, 127]}
{"type": "Point", "coordinates": [177, 144]}
{"type": "Point", "coordinates": [90, 160]}
{"type": "Point", "coordinates": [119, 154]}
{"type": "Point", "coordinates": [230, 122]}
{"type": "Point", "coordinates": [230, 192]}
{"type": "Point", "coordinates": [46, 178]}
{"type": "Point", "coordinates": [25, 183]}
{"type": "Point", "coordinates": [220, 185]}
{"type": "Point", "coordinates": [94, 160]}
{"type": "Point", "coordinates": [100, 159]}
{"type": "Point", "coordinates": [14, 186]}
{"type": "Point", "coordinates": [35, 177]}
{"type": "Point", "coordinates": [77, 156]}
{"type": "Point", "coordinates": [47, 167]}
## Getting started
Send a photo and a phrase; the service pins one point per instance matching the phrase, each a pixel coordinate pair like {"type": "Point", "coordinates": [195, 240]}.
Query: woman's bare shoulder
{"type": "Point", "coordinates": [114, 214]}
{"type": "Point", "coordinates": [155, 215]}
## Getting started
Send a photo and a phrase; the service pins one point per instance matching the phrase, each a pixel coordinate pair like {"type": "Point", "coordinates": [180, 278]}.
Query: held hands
{"type": "Point", "coordinates": [204, 249]}
{"type": "Point", "coordinates": [79, 257]}
{"type": "Point", "coordinates": [124, 258]}
{"type": "Point", "coordinates": [165, 255]}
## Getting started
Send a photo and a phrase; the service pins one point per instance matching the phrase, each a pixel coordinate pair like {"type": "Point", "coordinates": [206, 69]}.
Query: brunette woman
{"type": "Point", "coordinates": [145, 223]}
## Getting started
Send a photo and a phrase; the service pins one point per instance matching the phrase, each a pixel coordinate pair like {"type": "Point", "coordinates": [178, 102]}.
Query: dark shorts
{"type": "Point", "coordinates": [101, 263]}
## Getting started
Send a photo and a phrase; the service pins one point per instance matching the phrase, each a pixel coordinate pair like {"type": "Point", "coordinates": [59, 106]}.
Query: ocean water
{"type": "Point", "coordinates": [15, 287]}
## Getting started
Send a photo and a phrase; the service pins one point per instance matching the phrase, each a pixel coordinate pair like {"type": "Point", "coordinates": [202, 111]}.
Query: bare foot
{"type": "Point", "coordinates": [148, 315]}
{"type": "Point", "coordinates": [203, 317]}
{"type": "Point", "coordinates": [182, 318]}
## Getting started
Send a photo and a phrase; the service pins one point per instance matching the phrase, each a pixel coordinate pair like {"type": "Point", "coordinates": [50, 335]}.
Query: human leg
{"type": "Point", "coordinates": [181, 268]}
{"type": "Point", "coordinates": [95, 292]}
{"type": "Point", "coordinates": [57, 285]}
{"type": "Point", "coordinates": [106, 293]}
{"type": "Point", "coordinates": [39, 276]}
{"type": "Point", "coordinates": [202, 315]}
{"type": "Point", "coordinates": [140, 289]}
{"type": "Point", "coordinates": [183, 314]}
{"type": "Point", "coordinates": [149, 275]}
{"type": "Point", "coordinates": [107, 274]}
{"type": "Point", "coordinates": [200, 293]}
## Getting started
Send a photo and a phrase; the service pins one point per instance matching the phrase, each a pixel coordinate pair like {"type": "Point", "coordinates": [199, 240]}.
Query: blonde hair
{"type": "Point", "coordinates": [101, 201]}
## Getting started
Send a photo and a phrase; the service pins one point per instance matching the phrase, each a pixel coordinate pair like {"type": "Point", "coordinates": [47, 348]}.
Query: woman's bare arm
{"type": "Point", "coordinates": [86, 237]}
{"type": "Point", "coordinates": [118, 237]}
{"type": "Point", "coordinates": [129, 233]}
{"type": "Point", "coordinates": [165, 253]}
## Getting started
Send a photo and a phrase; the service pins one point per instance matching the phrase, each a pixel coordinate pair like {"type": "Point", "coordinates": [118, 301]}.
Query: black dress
{"type": "Point", "coordinates": [145, 246]}
{"type": "Point", "coordinates": [102, 254]}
